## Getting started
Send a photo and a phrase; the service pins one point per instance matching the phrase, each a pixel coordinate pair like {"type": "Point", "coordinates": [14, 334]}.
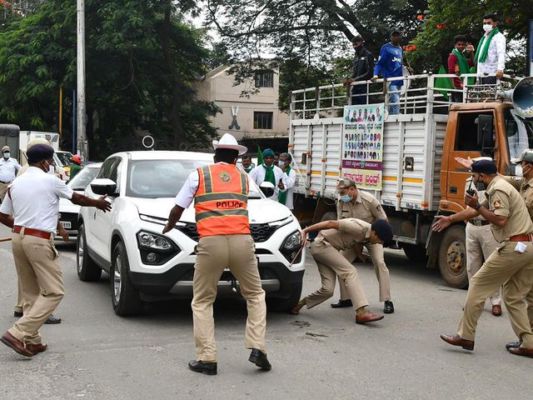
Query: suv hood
{"type": "Point", "coordinates": [260, 211]}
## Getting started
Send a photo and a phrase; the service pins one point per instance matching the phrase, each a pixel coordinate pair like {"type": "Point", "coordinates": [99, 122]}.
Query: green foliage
{"type": "Point", "coordinates": [141, 64]}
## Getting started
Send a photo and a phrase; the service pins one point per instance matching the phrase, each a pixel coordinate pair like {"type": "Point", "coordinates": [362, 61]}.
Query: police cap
{"type": "Point", "coordinates": [384, 231]}
{"type": "Point", "coordinates": [484, 167]}
{"type": "Point", "coordinates": [39, 152]}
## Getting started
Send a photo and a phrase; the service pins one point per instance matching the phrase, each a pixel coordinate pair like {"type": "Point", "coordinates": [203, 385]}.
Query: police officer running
{"type": "Point", "coordinates": [511, 265]}
{"type": "Point", "coordinates": [34, 224]}
{"type": "Point", "coordinates": [220, 194]}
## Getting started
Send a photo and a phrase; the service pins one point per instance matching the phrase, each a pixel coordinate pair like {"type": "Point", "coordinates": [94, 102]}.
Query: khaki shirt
{"type": "Point", "coordinates": [351, 231]}
{"type": "Point", "coordinates": [504, 200]}
{"type": "Point", "coordinates": [525, 188]}
{"type": "Point", "coordinates": [365, 207]}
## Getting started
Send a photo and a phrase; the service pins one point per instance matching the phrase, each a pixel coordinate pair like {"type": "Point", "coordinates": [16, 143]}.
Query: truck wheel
{"type": "Point", "coordinates": [452, 257]}
{"type": "Point", "coordinates": [125, 298]}
{"type": "Point", "coordinates": [329, 216]}
{"type": "Point", "coordinates": [415, 252]}
{"type": "Point", "coordinates": [286, 304]}
{"type": "Point", "coordinates": [88, 270]}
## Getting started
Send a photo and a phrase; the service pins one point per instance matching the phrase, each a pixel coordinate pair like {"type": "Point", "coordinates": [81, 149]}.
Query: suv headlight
{"type": "Point", "coordinates": [155, 249]}
{"type": "Point", "coordinates": [291, 247]}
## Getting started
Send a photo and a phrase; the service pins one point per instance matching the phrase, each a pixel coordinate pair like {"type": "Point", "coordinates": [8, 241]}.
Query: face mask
{"type": "Point", "coordinates": [480, 186]}
{"type": "Point", "coordinates": [487, 27]}
{"type": "Point", "coordinates": [345, 198]}
{"type": "Point", "coordinates": [7, 155]}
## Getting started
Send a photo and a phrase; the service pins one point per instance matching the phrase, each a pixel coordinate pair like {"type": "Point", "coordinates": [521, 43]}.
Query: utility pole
{"type": "Point", "coordinates": [83, 145]}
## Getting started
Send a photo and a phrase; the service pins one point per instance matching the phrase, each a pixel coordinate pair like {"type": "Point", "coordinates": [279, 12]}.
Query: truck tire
{"type": "Point", "coordinates": [286, 304]}
{"type": "Point", "coordinates": [125, 298]}
{"type": "Point", "coordinates": [329, 216]}
{"type": "Point", "coordinates": [415, 252]}
{"type": "Point", "coordinates": [88, 270]}
{"type": "Point", "coordinates": [452, 257]}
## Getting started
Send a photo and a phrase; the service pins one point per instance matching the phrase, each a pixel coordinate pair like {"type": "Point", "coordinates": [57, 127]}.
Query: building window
{"type": "Point", "coordinates": [263, 120]}
{"type": "Point", "coordinates": [264, 79]}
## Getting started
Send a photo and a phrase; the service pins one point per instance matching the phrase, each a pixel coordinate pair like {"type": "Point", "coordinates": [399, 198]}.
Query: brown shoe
{"type": "Point", "coordinates": [367, 317]}
{"type": "Point", "coordinates": [11, 341]}
{"type": "Point", "coordinates": [521, 351]}
{"type": "Point", "coordinates": [457, 340]}
{"type": "Point", "coordinates": [496, 310]}
{"type": "Point", "coordinates": [36, 348]}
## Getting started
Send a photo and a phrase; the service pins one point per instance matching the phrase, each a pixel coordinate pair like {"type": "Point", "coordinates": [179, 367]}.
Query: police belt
{"type": "Point", "coordinates": [32, 232]}
{"type": "Point", "coordinates": [478, 222]}
{"type": "Point", "coordinates": [525, 237]}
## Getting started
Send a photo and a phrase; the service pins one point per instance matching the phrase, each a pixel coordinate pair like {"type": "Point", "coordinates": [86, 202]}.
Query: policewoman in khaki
{"type": "Point", "coordinates": [220, 194]}
{"type": "Point", "coordinates": [334, 237]}
{"type": "Point", "coordinates": [355, 203]}
{"type": "Point", "coordinates": [34, 225]}
{"type": "Point", "coordinates": [511, 265]}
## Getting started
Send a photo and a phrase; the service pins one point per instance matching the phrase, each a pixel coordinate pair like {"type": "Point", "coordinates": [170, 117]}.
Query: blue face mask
{"type": "Point", "coordinates": [345, 198]}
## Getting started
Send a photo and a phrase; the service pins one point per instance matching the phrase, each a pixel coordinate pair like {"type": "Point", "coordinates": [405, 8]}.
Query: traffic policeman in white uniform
{"type": "Point", "coordinates": [8, 170]}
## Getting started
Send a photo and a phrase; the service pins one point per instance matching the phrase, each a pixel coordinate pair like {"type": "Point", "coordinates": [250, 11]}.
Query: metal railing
{"type": "Point", "coordinates": [417, 94]}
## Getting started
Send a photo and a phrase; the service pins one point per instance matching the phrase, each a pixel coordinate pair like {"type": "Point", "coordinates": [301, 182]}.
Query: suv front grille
{"type": "Point", "coordinates": [260, 232]}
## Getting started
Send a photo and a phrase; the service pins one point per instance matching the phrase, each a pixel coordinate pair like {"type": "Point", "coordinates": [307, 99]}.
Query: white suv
{"type": "Point", "coordinates": [145, 265]}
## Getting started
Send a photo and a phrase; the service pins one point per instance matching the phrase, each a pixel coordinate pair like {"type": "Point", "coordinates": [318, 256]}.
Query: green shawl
{"type": "Point", "coordinates": [282, 196]}
{"type": "Point", "coordinates": [483, 46]}
{"type": "Point", "coordinates": [269, 174]}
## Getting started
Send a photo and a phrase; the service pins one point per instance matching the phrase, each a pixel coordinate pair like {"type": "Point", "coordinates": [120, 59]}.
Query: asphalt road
{"type": "Point", "coordinates": [320, 354]}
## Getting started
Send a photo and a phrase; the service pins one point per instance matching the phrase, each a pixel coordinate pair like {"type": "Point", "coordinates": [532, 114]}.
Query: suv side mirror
{"type": "Point", "coordinates": [267, 188]}
{"type": "Point", "coordinates": [485, 134]}
{"type": "Point", "coordinates": [104, 186]}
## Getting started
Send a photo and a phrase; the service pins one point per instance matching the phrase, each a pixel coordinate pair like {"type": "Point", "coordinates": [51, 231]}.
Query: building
{"type": "Point", "coordinates": [254, 119]}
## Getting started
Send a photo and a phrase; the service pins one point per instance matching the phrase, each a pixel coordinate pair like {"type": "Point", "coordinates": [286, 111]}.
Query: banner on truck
{"type": "Point", "coordinates": [362, 145]}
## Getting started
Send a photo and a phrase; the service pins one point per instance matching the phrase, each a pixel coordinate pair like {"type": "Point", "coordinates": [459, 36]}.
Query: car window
{"type": "Point", "coordinates": [83, 178]}
{"type": "Point", "coordinates": [107, 168]}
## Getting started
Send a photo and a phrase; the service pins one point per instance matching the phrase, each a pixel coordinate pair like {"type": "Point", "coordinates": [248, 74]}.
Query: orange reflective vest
{"type": "Point", "coordinates": [221, 201]}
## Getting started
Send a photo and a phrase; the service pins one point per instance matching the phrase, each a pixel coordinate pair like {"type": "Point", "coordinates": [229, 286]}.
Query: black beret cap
{"type": "Point", "coordinates": [384, 231]}
{"type": "Point", "coordinates": [484, 167]}
{"type": "Point", "coordinates": [39, 152]}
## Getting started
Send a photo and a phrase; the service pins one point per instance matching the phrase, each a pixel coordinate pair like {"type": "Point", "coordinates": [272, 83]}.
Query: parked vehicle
{"type": "Point", "coordinates": [68, 212]}
{"type": "Point", "coordinates": [420, 177]}
{"type": "Point", "coordinates": [145, 265]}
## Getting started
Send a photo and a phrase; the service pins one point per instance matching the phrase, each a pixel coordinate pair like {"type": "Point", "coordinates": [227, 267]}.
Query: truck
{"type": "Point", "coordinates": [420, 178]}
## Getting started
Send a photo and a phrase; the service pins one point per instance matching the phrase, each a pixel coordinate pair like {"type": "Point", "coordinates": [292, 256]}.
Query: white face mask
{"type": "Point", "coordinates": [487, 28]}
{"type": "Point", "coordinates": [7, 155]}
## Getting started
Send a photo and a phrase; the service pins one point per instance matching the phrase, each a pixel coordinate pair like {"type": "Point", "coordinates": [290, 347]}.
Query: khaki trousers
{"type": "Point", "coordinates": [378, 260]}
{"type": "Point", "coordinates": [514, 271]}
{"type": "Point", "coordinates": [3, 190]}
{"type": "Point", "coordinates": [480, 244]}
{"type": "Point", "coordinates": [18, 306]}
{"type": "Point", "coordinates": [214, 254]}
{"type": "Point", "coordinates": [41, 284]}
{"type": "Point", "coordinates": [331, 264]}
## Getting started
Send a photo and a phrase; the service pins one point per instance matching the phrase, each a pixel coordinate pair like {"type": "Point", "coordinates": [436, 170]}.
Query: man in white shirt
{"type": "Point", "coordinates": [8, 170]}
{"type": "Point", "coordinates": [34, 224]}
{"type": "Point", "coordinates": [285, 160]}
{"type": "Point", "coordinates": [490, 53]}
{"type": "Point", "coordinates": [270, 173]}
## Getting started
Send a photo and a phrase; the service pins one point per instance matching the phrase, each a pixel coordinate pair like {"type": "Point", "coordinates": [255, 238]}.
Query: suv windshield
{"type": "Point", "coordinates": [64, 157]}
{"type": "Point", "coordinates": [83, 178]}
{"type": "Point", "coordinates": [164, 178]}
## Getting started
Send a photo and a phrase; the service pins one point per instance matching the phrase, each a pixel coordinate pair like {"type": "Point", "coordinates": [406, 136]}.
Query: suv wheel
{"type": "Point", "coordinates": [125, 298]}
{"type": "Point", "coordinates": [88, 270]}
{"type": "Point", "coordinates": [285, 304]}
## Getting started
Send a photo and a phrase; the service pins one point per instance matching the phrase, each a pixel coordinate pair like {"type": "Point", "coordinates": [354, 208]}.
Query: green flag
{"type": "Point", "coordinates": [259, 156]}
{"type": "Point", "coordinates": [442, 84]}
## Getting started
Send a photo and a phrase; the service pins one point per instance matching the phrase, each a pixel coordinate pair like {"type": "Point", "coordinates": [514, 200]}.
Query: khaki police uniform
{"type": "Point", "coordinates": [480, 243]}
{"type": "Point", "coordinates": [525, 187]}
{"type": "Point", "coordinates": [35, 223]}
{"type": "Point", "coordinates": [366, 208]}
{"type": "Point", "coordinates": [510, 265]}
{"type": "Point", "coordinates": [331, 264]}
{"type": "Point", "coordinates": [220, 247]}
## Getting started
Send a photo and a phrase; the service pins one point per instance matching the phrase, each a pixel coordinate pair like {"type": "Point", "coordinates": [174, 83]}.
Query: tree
{"type": "Point", "coordinates": [447, 19]}
{"type": "Point", "coordinates": [142, 63]}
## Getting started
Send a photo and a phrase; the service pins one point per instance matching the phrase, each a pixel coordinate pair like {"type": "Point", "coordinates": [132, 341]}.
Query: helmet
{"type": "Point", "coordinates": [76, 159]}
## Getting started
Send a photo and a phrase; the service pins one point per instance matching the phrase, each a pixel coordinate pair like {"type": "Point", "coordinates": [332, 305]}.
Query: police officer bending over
{"type": "Point", "coordinates": [220, 194]}
{"type": "Point", "coordinates": [31, 208]}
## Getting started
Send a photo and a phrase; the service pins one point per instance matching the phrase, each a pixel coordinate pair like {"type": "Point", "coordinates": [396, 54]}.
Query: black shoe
{"type": "Point", "coordinates": [51, 320]}
{"type": "Point", "coordinates": [208, 368]}
{"type": "Point", "coordinates": [389, 307]}
{"type": "Point", "coordinates": [513, 345]}
{"type": "Point", "coordinates": [260, 359]}
{"type": "Point", "coordinates": [342, 304]}
{"type": "Point", "coordinates": [17, 314]}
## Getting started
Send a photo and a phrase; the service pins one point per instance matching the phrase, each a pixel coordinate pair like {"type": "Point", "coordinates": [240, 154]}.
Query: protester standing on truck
{"type": "Point", "coordinates": [490, 53]}
{"type": "Point", "coordinates": [355, 203]}
{"type": "Point", "coordinates": [8, 170]}
{"type": "Point", "coordinates": [511, 265]}
{"type": "Point", "coordinates": [390, 65]}
{"type": "Point", "coordinates": [268, 172]}
{"type": "Point", "coordinates": [333, 237]}
{"type": "Point", "coordinates": [460, 60]}
{"type": "Point", "coordinates": [362, 70]}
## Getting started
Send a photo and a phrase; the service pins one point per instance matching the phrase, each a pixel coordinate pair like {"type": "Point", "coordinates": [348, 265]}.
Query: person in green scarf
{"type": "Point", "coordinates": [490, 53]}
{"type": "Point", "coordinates": [268, 172]}
{"type": "Point", "coordinates": [460, 60]}
{"type": "Point", "coordinates": [247, 163]}
{"type": "Point", "coordinates": [286, 197]}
